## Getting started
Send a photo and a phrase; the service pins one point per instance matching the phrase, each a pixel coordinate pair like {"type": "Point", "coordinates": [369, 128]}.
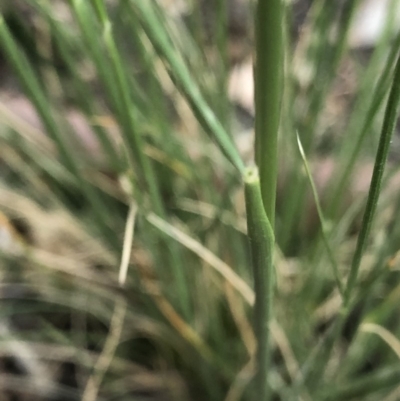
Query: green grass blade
{"type": "Point", "coordinates": [325, 235]}
{"type": "Point", "coordinates": [67, 49]}
{"type": "Point", "coordinates": [383, 379]}
{"type": "Point", "coordinates": [185, 82]}
{"type": "Point", "coordinates": [125, 109]}
{"type": "Point", "coordinates": [388, 127]}
{"type": "Point", "coordinates": [36, 94]}
{"type": "Point", "coordinates": [352, 147]}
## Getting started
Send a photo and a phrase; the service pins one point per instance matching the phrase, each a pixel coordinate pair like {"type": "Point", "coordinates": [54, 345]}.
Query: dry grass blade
{"type": "Point", "coordinates": [220, 266]}
{"type": "Point", "coordinates": [391, 340]}
{"type": "Point", "coordinates": [70, 266]}
{"type": "Point", "coordinates": [175, 319]}
{"type": "Point", "coordinates": [69, 353]}
{"type": "Point", "coordinates": [117, 321]}
{"type": "Point", "coordinates": [242, 323]}
{"type": "Point", "coordinates": [241, 381]}
{"type": "Point", "coordinates": [128, 238]}
{"type": "Point", "coordinates": [211, 212]}
{"type": "Point", "coordinates": [103, 362]}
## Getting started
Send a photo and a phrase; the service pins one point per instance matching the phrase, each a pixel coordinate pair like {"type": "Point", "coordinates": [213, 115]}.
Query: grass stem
{"type": "Point", "coordinates": [268, 77]}
{"type": "Point", "coordinates": [261, 237]}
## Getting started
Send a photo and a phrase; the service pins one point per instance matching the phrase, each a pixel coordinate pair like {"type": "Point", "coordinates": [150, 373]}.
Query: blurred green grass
{"type": "Point", "coordinates": [158, 179]}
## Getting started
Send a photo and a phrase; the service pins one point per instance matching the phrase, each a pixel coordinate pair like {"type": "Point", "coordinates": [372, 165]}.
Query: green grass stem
{"type": "Point", "coordinates": [268, 83]}
{"type": "Point", "coordinates": [261, 238]}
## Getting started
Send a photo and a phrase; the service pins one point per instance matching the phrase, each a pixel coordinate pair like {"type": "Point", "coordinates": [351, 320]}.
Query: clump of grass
{"type": "Point", "coordinates": [138, 257]}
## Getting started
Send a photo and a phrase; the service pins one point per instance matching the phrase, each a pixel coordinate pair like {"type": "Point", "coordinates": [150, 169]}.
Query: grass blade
{"type": "Point", "coordinates": [182, 77]}
{"type": "Point", "coordinates": [321, 217]}
{"type": "Point", "coordinates": [388, 128]}
{"type": "Point", "coordinates": [37, 95]}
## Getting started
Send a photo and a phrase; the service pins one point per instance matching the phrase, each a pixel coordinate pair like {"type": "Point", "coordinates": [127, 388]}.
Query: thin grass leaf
{"type": "Point", "coordinates": [103, 362]}
{"type": "Point", "coordinates": [84, 94]}
{"type": "Point", "coordinates": [325, 58]}
{"type": "Point", "coordinates": [125, 109]}
{"type": "Point", "coordinates": [325, 234]}
{"type": "Point", "coordinates": [185, 82]}
{"type": "Point", "coordinates": [389, 338]}
{"type": "Point", "coordinates": [383, 379]}
{"type": "Point", "coordinates": [127, 247]}
{"type": "Point", "coordinates": [36, 94]}
{"type": "Point", "coordinates": [118, 83]}
{"type": "Point", "coordinates": [318, 360]}
{"type": "Point", "coordinates": [352, 147]}
{"type": "Point", "coordinates": [389, 124]}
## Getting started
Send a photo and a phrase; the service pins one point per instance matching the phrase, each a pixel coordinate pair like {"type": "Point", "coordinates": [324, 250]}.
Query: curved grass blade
{"type": "Point", "coordinates": [220, 266]}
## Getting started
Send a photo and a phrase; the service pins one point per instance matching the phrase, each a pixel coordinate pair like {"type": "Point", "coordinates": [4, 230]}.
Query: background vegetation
{"type": "Point", "coordinates": [125, 268]}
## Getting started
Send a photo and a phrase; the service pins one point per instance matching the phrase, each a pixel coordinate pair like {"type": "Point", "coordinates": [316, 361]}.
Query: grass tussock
{"type": "Point", "coordinates": [142, 257]}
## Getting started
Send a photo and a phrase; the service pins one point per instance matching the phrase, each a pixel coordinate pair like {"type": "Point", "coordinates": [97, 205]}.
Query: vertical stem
{"type": "Point", "coordinates": [260, 191]}
{"type": "Point", "coordinates": [268, 77]}
{"type": "Point", "coordinates": [261, 237]}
